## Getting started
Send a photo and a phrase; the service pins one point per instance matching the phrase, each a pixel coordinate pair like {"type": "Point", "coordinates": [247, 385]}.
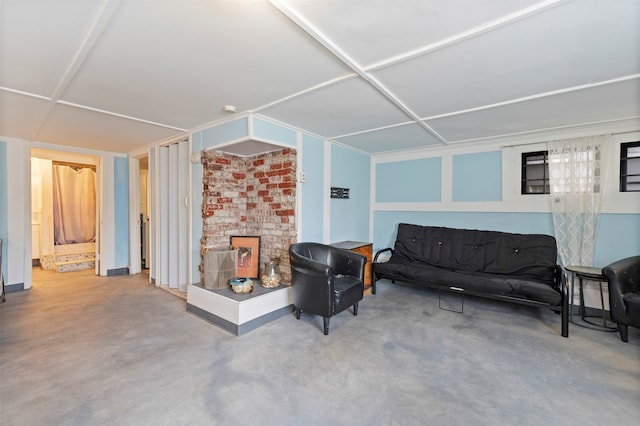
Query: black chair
{"type": "Point", "coordinates": [624, 293]}
{"type": "Point", "coordinates": [326, 280]}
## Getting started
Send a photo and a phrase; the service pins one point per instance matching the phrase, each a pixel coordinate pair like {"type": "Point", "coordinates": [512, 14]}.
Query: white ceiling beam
{"type": "Point", "coordinates": [376, 129]}
{"type": "Point", "coordinates": [307, 90]}
{"type": "Point", "coordinates": [115, 114]}
{"type": "Point", "coordinates": [98, 26]}
{"type": "Point", "coordinates": [332, 48]}
{"type": "Point", "coordinates": [465, 35]}
{"type": "Point", "coordinates": [534, 97]}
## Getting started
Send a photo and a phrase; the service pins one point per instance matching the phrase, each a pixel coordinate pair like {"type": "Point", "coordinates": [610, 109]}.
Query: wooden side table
{"type": "Point", "coordinates": [365, 249]}
{"type": "Point", "coordinates": [590, 274]}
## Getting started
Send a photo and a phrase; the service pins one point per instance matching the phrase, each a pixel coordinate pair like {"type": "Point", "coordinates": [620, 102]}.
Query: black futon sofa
{"type": "Point", "coordinates": [517, 268]}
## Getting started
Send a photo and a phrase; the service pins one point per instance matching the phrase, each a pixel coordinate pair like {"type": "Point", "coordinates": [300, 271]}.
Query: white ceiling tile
{"type": "Point", "coordinates": [346, 107]}
{"type": "Point", "coordinates": [566, 46]}
{"type": "Point", "coordinates": [38, 40]}
{"type": "Point", "coordinates": [20, 114]}
{"type": "Point", "coordinates": [81, 128]}
{"type": "Point", "coordinates": [398, 138]}
{"type": "Point", "coordinates": [372, 31]}
{"type": "Point", "coordinates": [178, 63]}
{"type": "Point", "coordinates": [601, 103]}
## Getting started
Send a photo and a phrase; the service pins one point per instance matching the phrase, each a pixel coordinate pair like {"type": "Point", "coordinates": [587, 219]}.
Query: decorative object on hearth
{"type": "Point", "coordinates": [248, 263]}
{"type": "Point", "coordinates": [271, 274]}
{"type": "Point", "coordinates": [219, 267]}
{"type": "Point", "coordinates": [241, 285]}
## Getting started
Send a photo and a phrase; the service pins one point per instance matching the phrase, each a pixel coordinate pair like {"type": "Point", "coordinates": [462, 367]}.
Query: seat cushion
{"type": "Point", "coordinates": [347, 290]}
{"type": "Point", "coordinates": [632, 302]}
{"type": "Point", "coordinates": [493, 284]}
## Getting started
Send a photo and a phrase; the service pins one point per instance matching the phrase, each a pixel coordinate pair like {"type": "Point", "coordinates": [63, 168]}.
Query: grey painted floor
{"type": "Point", "coordinates": [78, 349]}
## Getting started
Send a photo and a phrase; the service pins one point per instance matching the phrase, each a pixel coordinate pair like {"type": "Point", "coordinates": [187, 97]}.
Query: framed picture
{"type": "Point", "coordinates": [248, 263]}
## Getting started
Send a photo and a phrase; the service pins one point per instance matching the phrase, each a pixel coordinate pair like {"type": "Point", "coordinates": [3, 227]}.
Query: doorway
{"type": "Point", "coordinates": [50, 248]}
{"type": "Point", "coordinates": [144, 212]}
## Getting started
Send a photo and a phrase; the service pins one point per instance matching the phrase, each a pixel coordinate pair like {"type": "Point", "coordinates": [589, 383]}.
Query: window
{"type": "Point", "coordinates": [535, 173]}
{"type": "Point", "coordinates": [630, 167]}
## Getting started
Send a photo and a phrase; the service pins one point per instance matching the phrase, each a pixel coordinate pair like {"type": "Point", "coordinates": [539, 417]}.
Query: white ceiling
{"type": "Point", "coordinates": [381, 76]}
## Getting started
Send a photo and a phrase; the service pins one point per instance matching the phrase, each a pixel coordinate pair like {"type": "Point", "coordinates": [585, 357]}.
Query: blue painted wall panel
{"type": "Point", "coordinates": [3, 205]}
{"type": "Point", "coordinates": [350, 217]}
{"type": "Point", "coordinates": [477, 176]}
{"type": "Point", "coordinates": [409, 181]}
{"type": "Point", "coordinates": [226, 132]}
{"type": "Point", "coordinates": [618, 237]}
{"type": "Point", "coordinates": [313, 198]}
{"type": "Point", "coordinates": [265, 130]}
{"type": "Point", "coordinates": [121, 211]}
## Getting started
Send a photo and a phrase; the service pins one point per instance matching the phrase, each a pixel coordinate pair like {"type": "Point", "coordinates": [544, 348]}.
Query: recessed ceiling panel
{"type": "Point", "coordinates": [19, 115]}
{"type": "Point", "coordinates": [399, 138]}
{"type": "Point", "coordinates": [87, 129]}
{"type": "Point", "coordinates": [376, 30]}
{"type": "Point", "coordinates": [569, 45]}
{"type": "Point", "coordinates": [178, 63]}
{"type": "Point", "coordinates": [249, 148]}
{"type": "Point", "coordinates": [346, 107]}
{"type": "Point", "coordinates": [38, 40]}
{"type": "Point", "coordinates": [597, 104]}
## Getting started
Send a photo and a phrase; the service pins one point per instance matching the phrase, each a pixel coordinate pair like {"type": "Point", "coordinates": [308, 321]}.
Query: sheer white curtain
{"type": "Point", "coordinates": [577, 174]}
{"type": "Point", "coordinates": [74, 205]}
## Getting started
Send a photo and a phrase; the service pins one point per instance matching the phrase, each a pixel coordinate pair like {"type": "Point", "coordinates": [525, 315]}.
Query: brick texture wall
{"type": "Point", "coordinates": [251, 196]}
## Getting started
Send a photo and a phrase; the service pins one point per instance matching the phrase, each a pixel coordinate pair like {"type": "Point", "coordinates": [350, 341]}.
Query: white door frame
{"type": "Point", "coordinates": [135, 261]}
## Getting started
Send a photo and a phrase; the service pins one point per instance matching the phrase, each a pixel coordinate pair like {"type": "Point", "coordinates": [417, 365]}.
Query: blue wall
{"type": "Point", "coordinates": [477, 177]}
{"type": "Point", "coordinates": [618, 237]}
{"type": "Point", "coordinates": [313, 197]}
{"type": "Point", "coordinates": [3, 206]}
{"type": "Point", "coordinates": [350, 217]}
{"type": "Point", "coordinates": [121, 211]}
{"type": "Point", "coordinates": [223, 133]}
{"type": "Point", "coordinates": [265, 130]}
{"type": "Point", "coordinates": [422, 180]}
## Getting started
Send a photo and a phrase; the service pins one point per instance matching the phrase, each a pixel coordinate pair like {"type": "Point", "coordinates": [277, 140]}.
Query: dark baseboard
{"type": "Point", "coordinates": [239, 329]}
{"type": "Point", "coordinates": [118, 271]}
{"type": "Point", "coordinates": [12, 288]}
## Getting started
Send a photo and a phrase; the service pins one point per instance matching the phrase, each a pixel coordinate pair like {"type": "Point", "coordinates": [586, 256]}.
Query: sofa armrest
{"type": "Point", "coordinates": [379, 252]}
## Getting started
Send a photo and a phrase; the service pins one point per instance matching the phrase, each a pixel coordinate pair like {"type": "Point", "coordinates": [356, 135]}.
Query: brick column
{"type": "Point", "coordinates": [251, 196]}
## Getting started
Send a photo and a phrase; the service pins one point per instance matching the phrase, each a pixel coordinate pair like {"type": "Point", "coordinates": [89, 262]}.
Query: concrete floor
{"type": "Point", "coordinates": [78, 349]}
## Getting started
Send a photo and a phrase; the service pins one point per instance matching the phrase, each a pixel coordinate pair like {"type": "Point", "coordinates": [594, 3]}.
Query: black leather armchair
{"type": "Point", "coordinates": [624, 293]}
{"type": "Point", "coordinates": [326, 280]}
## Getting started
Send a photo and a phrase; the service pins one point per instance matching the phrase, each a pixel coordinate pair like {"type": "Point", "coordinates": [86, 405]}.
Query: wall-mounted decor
{"type": "Point", "coordinates": [248, 263]}
{"type": "Point", "coordinates": [339, 192]}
